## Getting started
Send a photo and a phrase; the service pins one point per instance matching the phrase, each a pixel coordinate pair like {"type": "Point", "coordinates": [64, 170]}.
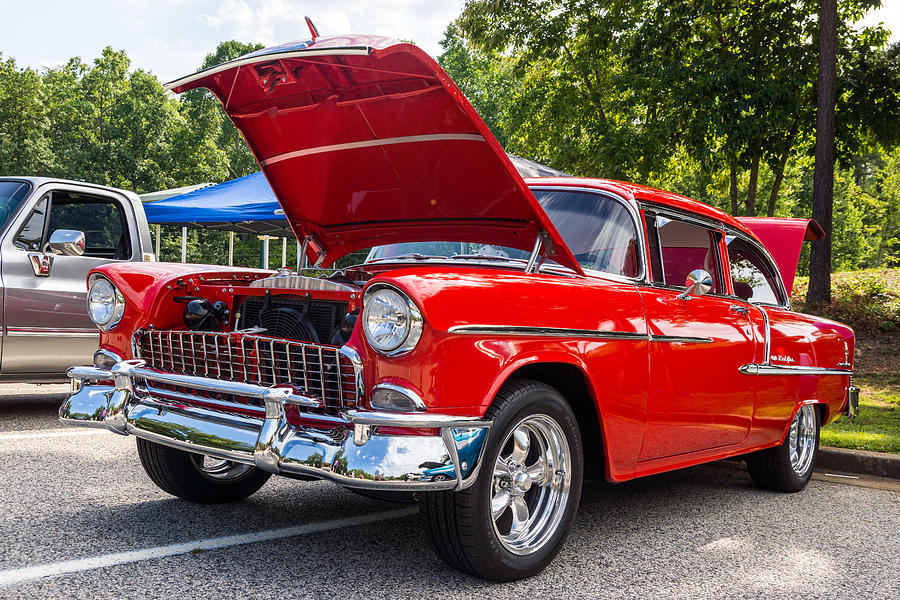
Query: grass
{"type": "Point", "coordinates": [868, 301]}
{"type": "Point", "coordinates": [877, 428]}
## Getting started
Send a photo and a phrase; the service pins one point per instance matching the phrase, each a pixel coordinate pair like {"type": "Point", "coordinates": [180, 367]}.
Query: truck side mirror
{"type": "Point", "coordinates": [68, 242]}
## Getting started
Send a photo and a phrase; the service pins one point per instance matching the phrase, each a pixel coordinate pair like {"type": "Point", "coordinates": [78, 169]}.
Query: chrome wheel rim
{"type": "Point", "coordinates": [530, 485]}
{"type": "Point", "coordinates": [802, 439]}
{"type": "Point", "coordinates": [219, 469]}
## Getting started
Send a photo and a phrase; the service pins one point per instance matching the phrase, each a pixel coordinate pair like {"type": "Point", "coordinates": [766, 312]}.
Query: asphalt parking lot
{"type": "Point", "coordinates": [81, 520]}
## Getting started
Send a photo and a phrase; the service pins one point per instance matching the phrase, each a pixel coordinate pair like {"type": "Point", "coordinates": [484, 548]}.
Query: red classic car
{"type": "Point", "coordinates": [506, 336]}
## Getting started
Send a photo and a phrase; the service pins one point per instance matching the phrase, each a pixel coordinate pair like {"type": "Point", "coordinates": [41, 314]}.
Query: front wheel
{"type": "Point", "coordinates": [788, 467]}
{"type": "Point", "coordinates": [513, 520]}
{"type": "Point", "coordinates": [199, 478]}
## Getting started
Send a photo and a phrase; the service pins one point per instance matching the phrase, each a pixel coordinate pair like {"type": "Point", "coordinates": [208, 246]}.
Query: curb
{"type": "Point", "coordinates": [862, 462]}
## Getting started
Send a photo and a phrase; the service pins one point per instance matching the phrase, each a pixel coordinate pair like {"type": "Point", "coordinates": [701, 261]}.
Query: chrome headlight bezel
{"type": "Point", "coordinates": [411, 317]}
{"type": "Point", "coordinates": [116, 302]}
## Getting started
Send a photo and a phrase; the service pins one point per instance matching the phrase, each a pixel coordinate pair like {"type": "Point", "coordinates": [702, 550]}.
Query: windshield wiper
{"type": "Point", "coordinates": [414, 256]}
{"type": "Point", "coordinates": [485, 257]}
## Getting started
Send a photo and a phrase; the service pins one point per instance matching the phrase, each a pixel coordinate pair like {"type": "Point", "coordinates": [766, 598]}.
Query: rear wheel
{"type": "Point", "coordinates": [197, 477]}
{"type": "Point", "coordinates": [789, 466]}
{"type": "Point", "coordinates": [513, 520]}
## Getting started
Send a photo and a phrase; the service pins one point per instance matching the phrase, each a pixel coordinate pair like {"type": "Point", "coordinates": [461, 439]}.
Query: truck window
{"type": "Point", "coordinates": [101, 219]}
{"type": "Point", "coordinates": [32, 234]}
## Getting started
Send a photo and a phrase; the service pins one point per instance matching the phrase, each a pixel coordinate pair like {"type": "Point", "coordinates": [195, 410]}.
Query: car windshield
{"type": "Point", "coordinates": [457, 250]}
{"type": "Point", "coordinates": [11, 195]}
{"type": "Point", "coordinates": [597, 229]}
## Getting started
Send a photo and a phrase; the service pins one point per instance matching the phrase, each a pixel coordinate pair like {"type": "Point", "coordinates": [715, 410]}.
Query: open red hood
{"type": "Point", "coordinates": [783, 238]}
{"type": "Point", "coordinates": [366, 141]}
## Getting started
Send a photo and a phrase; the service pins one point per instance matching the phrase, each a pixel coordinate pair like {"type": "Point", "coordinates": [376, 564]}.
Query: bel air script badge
{"type": "Point", "coordinates": [780, 358]}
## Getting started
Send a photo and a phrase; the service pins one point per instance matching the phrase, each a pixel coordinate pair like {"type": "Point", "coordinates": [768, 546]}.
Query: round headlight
{"type": "Point", "coordinates": [391, 322]}
{"type": "Point", "coordinates": [105, 304]}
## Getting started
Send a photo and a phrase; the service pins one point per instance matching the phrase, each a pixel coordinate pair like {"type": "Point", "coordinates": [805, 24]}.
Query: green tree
{"type": "Point", "coordinates": [24, 147]}
{"type": "Point", "coordinates": [204, 110]}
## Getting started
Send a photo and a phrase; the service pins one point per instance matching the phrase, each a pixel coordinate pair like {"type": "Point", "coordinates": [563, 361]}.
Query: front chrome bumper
{"type": "Point", "coordinates": [355, 454]}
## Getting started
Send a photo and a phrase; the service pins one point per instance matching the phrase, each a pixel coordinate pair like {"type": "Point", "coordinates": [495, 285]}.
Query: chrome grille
{"type": "Point", "coordinates": [318, 370]}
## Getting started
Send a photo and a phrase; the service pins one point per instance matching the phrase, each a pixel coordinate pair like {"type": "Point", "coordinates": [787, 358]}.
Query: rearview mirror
{"type": "Point", "coordinates": [68, 242]}
{"type": "Point", "coordinates": [698, 283]}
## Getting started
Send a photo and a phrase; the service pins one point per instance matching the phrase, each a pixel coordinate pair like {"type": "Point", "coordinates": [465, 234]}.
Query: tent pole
{"type": "Point", "coordinates": [264, 250]}
{"type": "Point", "coordinates": [184, 244]}
{"type": "Point", "coordinates": [299, 258]}
{"type": "Point", "coordinates": [283, 252]}
{"type": "Point", "coordinates": [158, 230]}
{"type": "Point", "coordinates": [230, 248]}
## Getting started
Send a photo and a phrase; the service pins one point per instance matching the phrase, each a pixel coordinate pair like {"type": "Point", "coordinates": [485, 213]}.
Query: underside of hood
{"type": "Point", "coordinates": [366, 141]}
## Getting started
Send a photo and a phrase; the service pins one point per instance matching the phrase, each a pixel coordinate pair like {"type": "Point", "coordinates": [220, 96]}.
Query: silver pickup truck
{"type": "Point", "coordinates": [52, 232]}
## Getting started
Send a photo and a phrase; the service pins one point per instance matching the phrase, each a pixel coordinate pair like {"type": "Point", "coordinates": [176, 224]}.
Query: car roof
{"type": "Point", "coordinates": [39, 181]}
{"type": "Point", "coordinates": [637, 193]}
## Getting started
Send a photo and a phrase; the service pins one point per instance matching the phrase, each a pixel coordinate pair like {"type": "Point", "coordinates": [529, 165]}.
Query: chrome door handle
{"type": "Point", "coordinates": [740, 308]}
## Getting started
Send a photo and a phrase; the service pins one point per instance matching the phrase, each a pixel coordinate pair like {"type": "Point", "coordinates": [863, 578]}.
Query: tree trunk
{"type": "Point", "coordinates": [779, 174]}
{"type": "Point", "coordinates": [751, 187]}
{"type": "Point", "coordinates": [823, 177]}
{"type": "Point", "coordinates": [733, 190]}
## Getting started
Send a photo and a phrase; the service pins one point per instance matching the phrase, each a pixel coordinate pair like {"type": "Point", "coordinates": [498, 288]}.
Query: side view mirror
{"type": "Point", "coordinates": [68, 242]}
{"type": "Point", "coordinates": [698, 283]}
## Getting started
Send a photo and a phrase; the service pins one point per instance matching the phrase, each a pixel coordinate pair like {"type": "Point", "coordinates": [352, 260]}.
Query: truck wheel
{"type": "Point", "coordinates": [199, 478]}
{"type": "Point", "coordinates": [789, 466]}
{"type": "Point", "coordinates": [513, 520]}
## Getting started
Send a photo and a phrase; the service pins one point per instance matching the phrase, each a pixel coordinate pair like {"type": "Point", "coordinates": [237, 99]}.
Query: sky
{"type": "Point", "coordinates": [171, 37]}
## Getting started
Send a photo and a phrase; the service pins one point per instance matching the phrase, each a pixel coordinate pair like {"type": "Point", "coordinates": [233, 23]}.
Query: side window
{"type": "Point", "coordinates": [752, 275]}
{"type": "Point", "coordinates": [598, 230]}
{"type": "Point", "coordinates": [101, 219]}
{"type": "Point", "coordinates": [32, 234]}
{"type": "Point", "coordinates": [685, 247]}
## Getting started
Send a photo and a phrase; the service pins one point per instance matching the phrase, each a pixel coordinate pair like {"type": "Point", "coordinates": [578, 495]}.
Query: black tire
{"type": "Point", "coordinates": [179, 473]}
{"type": "Point", "coordinates": [772, 469]}
{"type": "Point", "coordinates": [460, 526]}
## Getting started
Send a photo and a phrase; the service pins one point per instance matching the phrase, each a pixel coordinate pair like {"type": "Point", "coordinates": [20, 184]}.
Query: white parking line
{"type": "Point", "coordinates": [49, 433]}
{"type": "Point", "coordinates": [25, 574]}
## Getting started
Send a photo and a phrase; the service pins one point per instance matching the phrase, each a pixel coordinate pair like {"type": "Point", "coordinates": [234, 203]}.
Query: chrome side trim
{"type": "Point", "coordinates": [764, 369]}
{"type": "Point", "coordinates": [407, 139]}
{"type": "Point", "coordinates": [544, 332]}
{"type": "Point", "coordinates": [768, 332]}
{"type": "Point", "coordinates": [51, 331]}
{"type": "Point", "coordinates": [680, 339]}
{"type": "Point", "coordinates": [572, 333]}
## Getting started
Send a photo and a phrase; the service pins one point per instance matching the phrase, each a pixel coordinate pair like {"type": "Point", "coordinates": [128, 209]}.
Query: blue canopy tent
{"type": "Point", "coordinates": [245, 205]}
{"type": "Point", "coordinates": [248, 205]}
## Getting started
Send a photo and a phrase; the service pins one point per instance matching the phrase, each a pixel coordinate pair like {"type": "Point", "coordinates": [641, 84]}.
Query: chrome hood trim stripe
{"type": "Point", "coordinates": [573, 333]}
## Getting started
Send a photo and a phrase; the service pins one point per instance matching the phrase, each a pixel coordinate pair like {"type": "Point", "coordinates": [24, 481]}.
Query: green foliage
{"type": "Point", "coordinates": [877, 428]}
{"type": "Point", "coordinates": [677, 93]}
{"type": "Point", "coordinates": [204, 109]}
{"type": "Point", "coordinates": [866, 300]}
